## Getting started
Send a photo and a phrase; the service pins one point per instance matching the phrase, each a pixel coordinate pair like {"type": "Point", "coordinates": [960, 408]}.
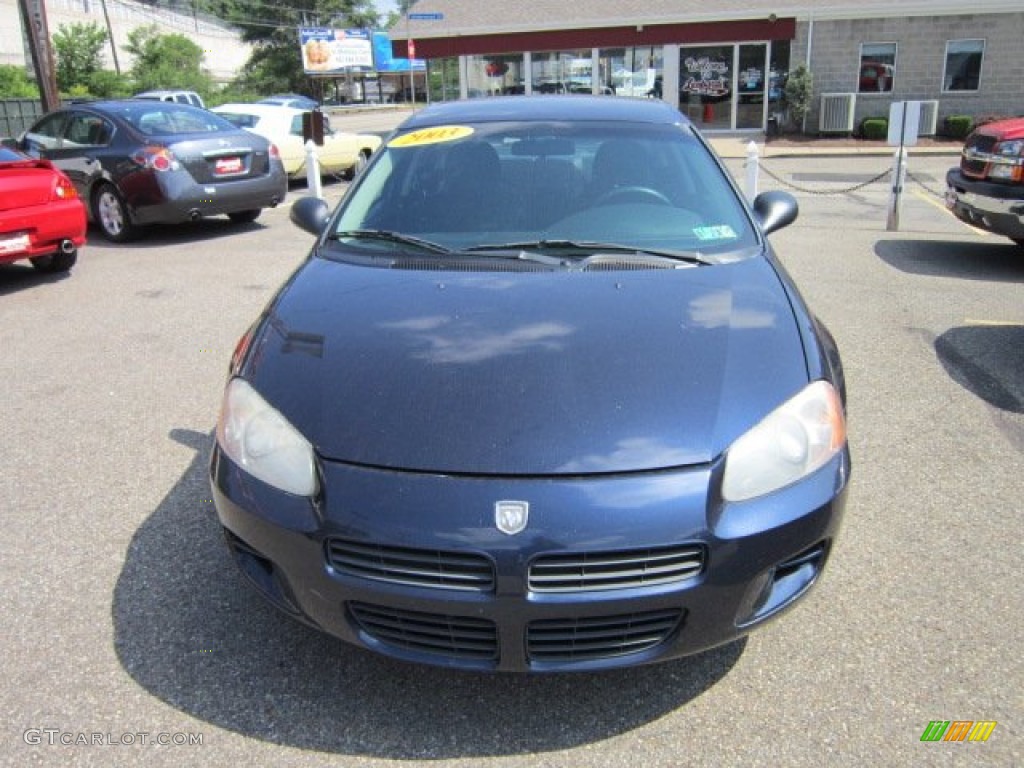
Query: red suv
{"type": "Point", "coordinates": [987, 190]}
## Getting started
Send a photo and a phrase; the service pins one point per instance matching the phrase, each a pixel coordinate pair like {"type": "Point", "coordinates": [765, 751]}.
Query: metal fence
{"type": "Point", "coordinates": [16, 115]}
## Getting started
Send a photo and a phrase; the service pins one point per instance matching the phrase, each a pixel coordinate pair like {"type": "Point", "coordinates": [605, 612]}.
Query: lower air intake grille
{"type": "Point", "coordinates": [566, 640]}
{"type": "Point", "coordinates": [591, 571]}
{"type": "Point", "coordinates": [454, 637]}
{"type": "Point", "coordinates": [414, 567]}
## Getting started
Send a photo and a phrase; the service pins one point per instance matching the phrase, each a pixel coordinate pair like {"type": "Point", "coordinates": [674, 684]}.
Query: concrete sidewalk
{"type": "Point", "coordinates": [736, 146]}
{"type": "Point", "coordinates": [384, 118]}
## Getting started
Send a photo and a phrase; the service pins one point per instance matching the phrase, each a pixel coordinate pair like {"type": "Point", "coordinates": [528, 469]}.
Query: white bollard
{"type": "Point", "coordinates": [313, 171]}
{"type": "Point", "coordinates": [753, 165]}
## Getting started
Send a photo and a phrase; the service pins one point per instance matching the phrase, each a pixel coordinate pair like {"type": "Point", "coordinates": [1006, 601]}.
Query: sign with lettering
{"type": "Point", "coordinates": [706, 76]}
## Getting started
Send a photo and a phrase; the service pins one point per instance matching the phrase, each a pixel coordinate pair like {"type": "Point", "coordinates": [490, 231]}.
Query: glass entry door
{"type": "Point", "coordinates": [751, 85]}
{"type": "Point", "coordinates": [705, 85]}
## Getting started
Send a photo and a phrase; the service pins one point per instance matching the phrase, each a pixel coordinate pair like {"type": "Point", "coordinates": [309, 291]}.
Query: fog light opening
{"type": "Point", "coordinates": [782, 585]}
{"type": "Point", "coordinates": [262, 573]}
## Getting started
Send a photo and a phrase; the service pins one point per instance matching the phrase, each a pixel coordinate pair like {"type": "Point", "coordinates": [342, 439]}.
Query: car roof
{"type": "Point", "coordinates": [115, 105]}
{"type": "Point", "coordinates": [262, 110]}
{"type": "Point", "coordinates": [161, 92]}
{"type": "Point", "coordinates": [543, 108]}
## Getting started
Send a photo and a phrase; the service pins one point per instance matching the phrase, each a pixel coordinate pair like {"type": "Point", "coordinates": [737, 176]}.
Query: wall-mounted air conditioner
{"type": "Point", "coordinates": [836, 112]}
{"type": "Point", "coordinates": [929, 118]}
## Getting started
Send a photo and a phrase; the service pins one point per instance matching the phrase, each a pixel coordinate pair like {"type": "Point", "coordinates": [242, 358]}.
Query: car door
{"type": "Point", "coordinates": [338, 152]}
{"type": "Point", "coordinates": [85, 136]}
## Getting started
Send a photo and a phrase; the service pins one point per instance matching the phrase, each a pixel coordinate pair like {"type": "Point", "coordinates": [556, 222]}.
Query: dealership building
{"type": "Point", "coordinates": [725, 63]}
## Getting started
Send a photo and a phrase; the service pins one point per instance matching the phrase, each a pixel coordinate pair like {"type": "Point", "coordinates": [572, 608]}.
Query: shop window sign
{"type": "Point", "coordinates": [705, 77]}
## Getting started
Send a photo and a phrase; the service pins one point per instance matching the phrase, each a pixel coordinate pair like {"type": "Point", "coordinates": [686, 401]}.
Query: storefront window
{"type": "Point", "coordinates": [443, 76]}
{"type": "Point", "coordinates": [778, 72]}
{"type": "Point", "coordinates": [562, 72]}
{"type": "Point", "coordinates": [705, 85]}
{"type": "Point", "coordinates": [963, 65]}
{"type": "Point", "coordinates": [631, 71]}
{"type": "Point", "coordinates": [494, 75]}
{"type": "Point", "coordinates": [877, 67]}
{"type": "Point", "coordinates": [751, 85]}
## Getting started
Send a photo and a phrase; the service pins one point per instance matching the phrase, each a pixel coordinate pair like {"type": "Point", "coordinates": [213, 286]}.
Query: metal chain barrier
{"type": "Point", "coordinates": [925, 187]}
{"type": "Point", "coordinates": [824, 193]}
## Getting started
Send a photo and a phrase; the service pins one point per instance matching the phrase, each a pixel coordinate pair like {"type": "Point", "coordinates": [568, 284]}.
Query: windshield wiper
{"type": "Point", "coordinates": [587, 248]}
{"type": "Point", "coordinates": [391, 237]}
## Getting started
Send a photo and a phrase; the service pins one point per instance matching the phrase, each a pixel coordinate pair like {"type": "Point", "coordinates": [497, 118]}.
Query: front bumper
{"type": "Point", "coordinates": [996, 208]}
{"type": "Point", "coordinates": [413, 566]}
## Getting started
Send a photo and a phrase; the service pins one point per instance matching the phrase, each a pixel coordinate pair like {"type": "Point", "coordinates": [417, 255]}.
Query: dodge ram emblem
{"type": "Point", "coordinates": [511, 516]}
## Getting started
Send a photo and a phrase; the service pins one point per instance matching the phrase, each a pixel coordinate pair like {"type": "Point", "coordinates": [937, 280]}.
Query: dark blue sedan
{"type": "Point", "coordinates": [541, 399]}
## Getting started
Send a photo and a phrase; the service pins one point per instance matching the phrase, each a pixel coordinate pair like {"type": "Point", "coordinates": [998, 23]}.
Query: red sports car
{"type": "Point", "coordinates": [42, 217]}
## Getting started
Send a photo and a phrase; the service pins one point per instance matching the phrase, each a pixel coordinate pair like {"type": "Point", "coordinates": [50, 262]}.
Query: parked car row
{"type": "Point", "coordinates": [156, 158]}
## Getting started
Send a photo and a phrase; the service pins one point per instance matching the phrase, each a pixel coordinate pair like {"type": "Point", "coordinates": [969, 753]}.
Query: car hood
{"type": "Point", "coordinates": [1004, 130]}
{"type": "Point", "coordinates": [518, 373]}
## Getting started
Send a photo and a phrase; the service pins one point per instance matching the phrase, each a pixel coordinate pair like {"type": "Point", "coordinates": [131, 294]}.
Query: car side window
{"type": "Point", "coordinates": [296, 129]}
{"type": "Point", "coordinates": [86, 130]}
{"type": "Point", "coordinates": [46, 134]}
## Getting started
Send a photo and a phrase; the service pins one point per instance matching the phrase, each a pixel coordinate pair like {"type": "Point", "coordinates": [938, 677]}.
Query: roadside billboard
{"type": "Point", "coordinates": [328, 51]}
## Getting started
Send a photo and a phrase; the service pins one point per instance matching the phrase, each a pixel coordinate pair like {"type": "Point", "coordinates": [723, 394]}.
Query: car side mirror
{"type": "Point", "coordinates": [310, 214]}
{"type": "Point", "coordinates": [9, 143]}
{"type": "Point", "coordinates": [775, 209]}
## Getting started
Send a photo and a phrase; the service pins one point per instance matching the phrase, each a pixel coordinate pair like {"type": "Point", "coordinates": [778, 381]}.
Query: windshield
{"type": "Point", "coordinates": [652, 187]}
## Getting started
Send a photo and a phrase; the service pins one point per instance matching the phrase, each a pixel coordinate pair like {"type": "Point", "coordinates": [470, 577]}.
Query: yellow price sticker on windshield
{"type": "Point", "coordinates": [436, 135]}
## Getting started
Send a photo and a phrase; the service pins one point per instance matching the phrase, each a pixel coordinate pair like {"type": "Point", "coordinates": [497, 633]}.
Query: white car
{"type": "Point", "coordinates": [342, 153]}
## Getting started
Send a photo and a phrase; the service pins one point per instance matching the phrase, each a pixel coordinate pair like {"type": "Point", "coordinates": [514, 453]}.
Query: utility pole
{"type": "Point", "coordinates": [110, 34]}
{"type": "Point", "coordinates": [33, 16]}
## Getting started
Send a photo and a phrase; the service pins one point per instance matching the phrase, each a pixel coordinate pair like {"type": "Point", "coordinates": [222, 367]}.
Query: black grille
{"type": "Point", "coordinates": [455, 637]}
{"type": "Point", "coordinates": [972, 165]}
{"type": "Point", "coordinates": [415, 567]}
{"type": "Point", "coordinates": [565, 640]}
{"type": "Point", "coordinates": [591, 571]}
{"type": "Point", "coordinates": [982, 142]}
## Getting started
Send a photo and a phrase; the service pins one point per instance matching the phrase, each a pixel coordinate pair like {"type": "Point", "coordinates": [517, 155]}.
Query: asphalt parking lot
{"type": "Point", "coordinates": [127, 624]}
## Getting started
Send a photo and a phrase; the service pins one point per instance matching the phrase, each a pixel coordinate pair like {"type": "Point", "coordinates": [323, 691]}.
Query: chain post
{"type": "Point", "coordinates": [752, 165]}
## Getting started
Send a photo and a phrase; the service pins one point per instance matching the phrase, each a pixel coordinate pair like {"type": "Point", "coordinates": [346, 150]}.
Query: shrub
{"type": "Point", "coordinates": [874, 128]}
{"type": "Point", "coordinates": [798, 91]}
{"type": "Point", "coordinates": [958, 126]}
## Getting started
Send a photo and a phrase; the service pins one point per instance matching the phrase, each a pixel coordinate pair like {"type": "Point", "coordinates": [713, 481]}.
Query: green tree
{"type": "Point", "coordinates": [78, 48]}
{"type": "Point", "coordinates": [107, 84]}
{"type": "Point", "coordinates": [167, 61]}
{"type": "Point", "coordinates": [799, 90]}
{"type": "Point", "coordinates": [16, 84]}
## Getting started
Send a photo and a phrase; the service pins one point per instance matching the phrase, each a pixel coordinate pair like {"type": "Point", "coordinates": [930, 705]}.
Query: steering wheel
{"type": "Point", "coordinates": [635, 194]}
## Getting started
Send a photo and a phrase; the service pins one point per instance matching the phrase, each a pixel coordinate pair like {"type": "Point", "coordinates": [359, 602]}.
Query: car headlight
{"type": "Point", "coordinates": [262, 442]}
{"type": "Point", "coordinates": [1013, 148]}
{"type": "Point", "coordinates": [794, 440]}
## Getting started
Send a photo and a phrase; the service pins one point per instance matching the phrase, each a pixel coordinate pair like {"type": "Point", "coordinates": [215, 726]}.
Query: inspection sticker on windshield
{"type": "Point", "coordinates": [721, 232]}
{"type": "Point", "coordinates": [432, 136]}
